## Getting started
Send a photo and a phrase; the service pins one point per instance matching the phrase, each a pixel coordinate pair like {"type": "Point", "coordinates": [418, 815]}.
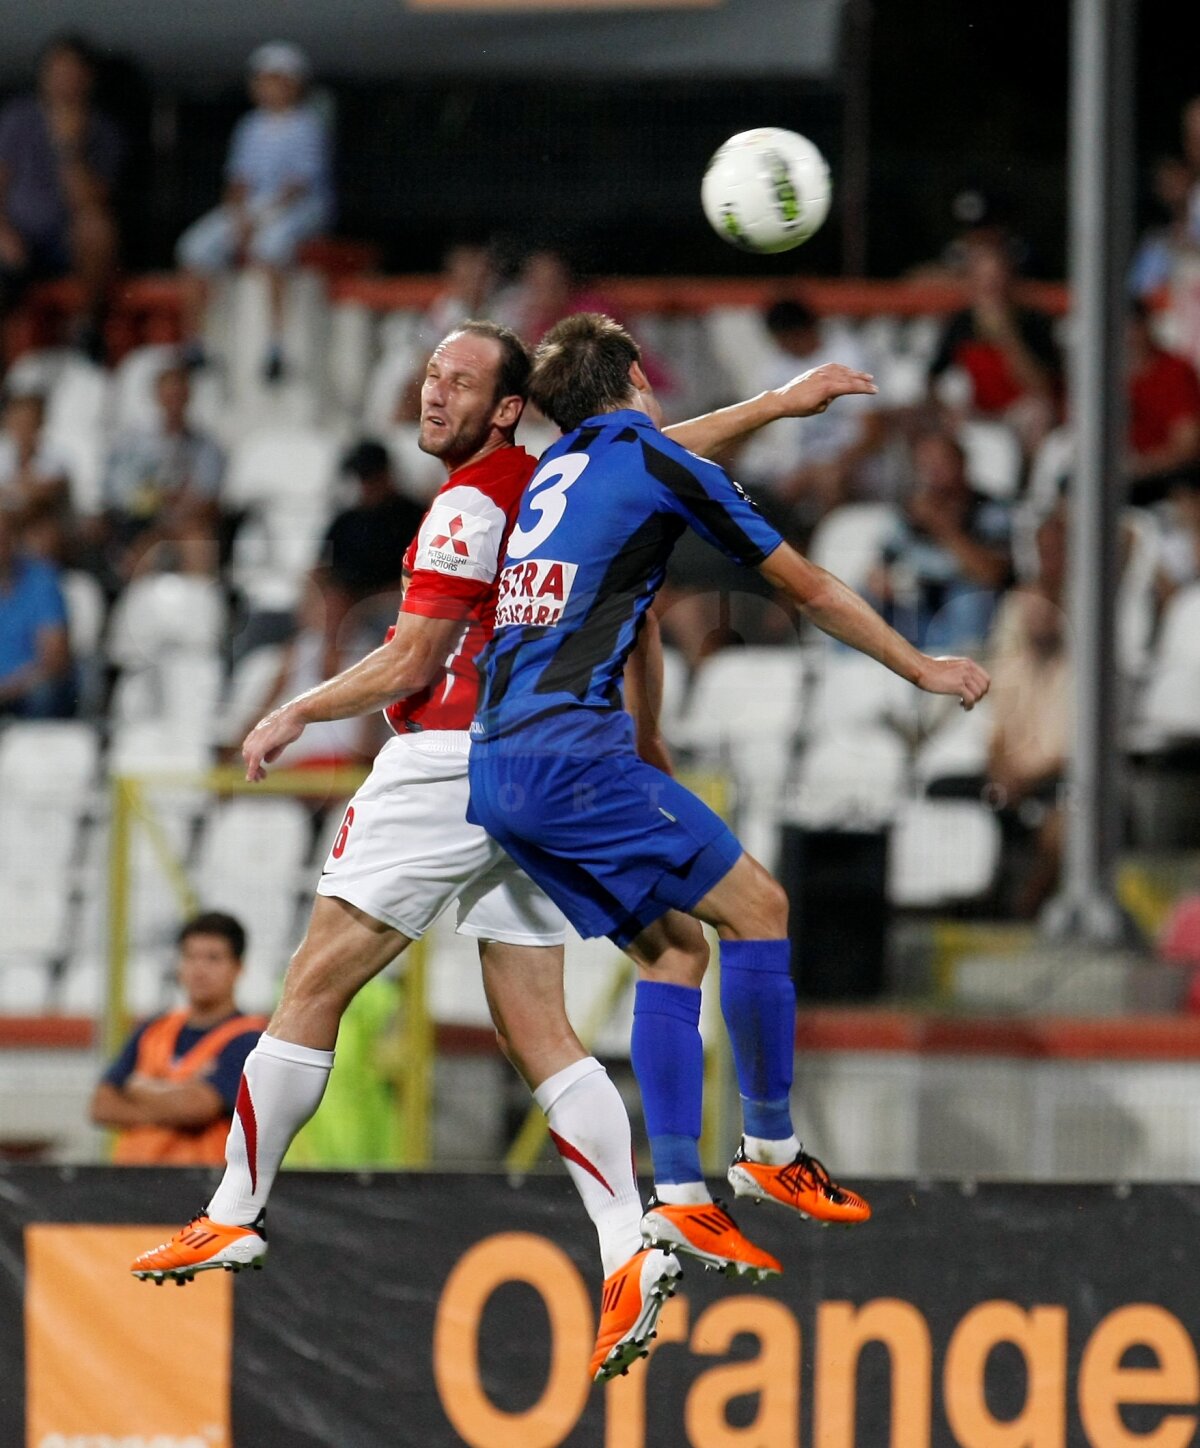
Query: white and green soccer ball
{"type": "Point", "coordinates": [766, 190]}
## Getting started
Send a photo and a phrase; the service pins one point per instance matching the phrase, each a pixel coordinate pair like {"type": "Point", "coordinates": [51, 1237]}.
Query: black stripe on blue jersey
{"type": "Point", "coordinates": [708, 511]}
{"type": "Point", "coordinates": [635, 571]}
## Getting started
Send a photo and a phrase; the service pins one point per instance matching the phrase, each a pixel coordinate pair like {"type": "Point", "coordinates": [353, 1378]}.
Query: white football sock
{"type": "Point", "coordinates": [682, 1194]}
{"type": "Point", "coordinates": [590, 1128]}
{"type": "Point", "coordinates": [282, 1086]}
{"type": "Point", "coordinates": [771, 1153]}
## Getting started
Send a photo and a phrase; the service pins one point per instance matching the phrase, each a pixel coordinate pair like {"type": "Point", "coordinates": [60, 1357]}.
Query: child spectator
{"type": "Point", "coordinates": [36, 679]}
{"type": "Point", "coordinates": [59, 162]}
{"type": "Point", "coordinates": [161, 486]}
{"type": "Point", "coordinates": [278, 193]}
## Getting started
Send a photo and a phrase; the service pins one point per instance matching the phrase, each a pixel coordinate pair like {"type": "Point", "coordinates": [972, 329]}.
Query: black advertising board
{"type": "Point", "coordinates": [437, 1309]}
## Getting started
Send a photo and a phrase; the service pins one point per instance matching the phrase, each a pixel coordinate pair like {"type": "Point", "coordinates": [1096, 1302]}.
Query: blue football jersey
{"type": "Point", "coordinates": [589, 551]}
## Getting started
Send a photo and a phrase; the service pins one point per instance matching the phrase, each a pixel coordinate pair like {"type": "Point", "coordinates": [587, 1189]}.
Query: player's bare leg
{"type": "Point", "coordinates": [749, 909]}
{"type": "Point", "coordinates": [668, 1059]}
{"type": "Point", "coordinates": [590, 1128]}
{"type": "Point", "coordinates": [282, 1085]}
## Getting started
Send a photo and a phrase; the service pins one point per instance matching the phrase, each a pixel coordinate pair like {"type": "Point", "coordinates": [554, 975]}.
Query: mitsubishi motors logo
{"type": "Point", "coordinates": [452, 539]}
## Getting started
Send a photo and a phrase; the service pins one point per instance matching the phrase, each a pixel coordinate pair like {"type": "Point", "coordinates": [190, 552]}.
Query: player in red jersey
{"type": "Point", "coordinates": [406, 852]}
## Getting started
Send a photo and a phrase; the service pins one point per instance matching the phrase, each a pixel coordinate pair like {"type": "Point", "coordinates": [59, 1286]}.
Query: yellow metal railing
{"type": "Point", "coordinates": [409, 1057]}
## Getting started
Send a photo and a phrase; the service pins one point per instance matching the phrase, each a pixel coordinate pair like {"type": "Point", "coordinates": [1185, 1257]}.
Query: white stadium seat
{"type": "Point", "coordinates": [274, 464]}
{"type": "Point", "coordinates": [86, 609]}
{"type": "Point", "coordinates": [942, 851]}
{"type": "Point", "coordinates": [852, 690]}
{"type": "Point", "coordinates": [162, 612]}
{"type": "Point", "coordinates": [958, 748]}
{"type": "Point", "coordinates": [993, 458]}
{"type": "Point", "coordinates": [1171, 704]}
{"type": "Point", "coordinates": [135, 406]}
{"type": "Point", "coordinates": [48, 759]}
{"type": "Point", "coordinates": [742, 695]}
{"type": "Point", "coordinates": [847, 541]}
{"type": "Point", "coordinates": [79, 398]}
{"type": "Point", "coordinates": [852, 779]}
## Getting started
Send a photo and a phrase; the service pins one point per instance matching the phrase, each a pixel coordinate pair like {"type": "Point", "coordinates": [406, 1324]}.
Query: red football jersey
{"type": "Point", "coordinates": [453, 564]}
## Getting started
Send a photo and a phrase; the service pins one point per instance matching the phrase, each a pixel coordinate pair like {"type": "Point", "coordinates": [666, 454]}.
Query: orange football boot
{"type": "Point", "coordinates": [632, 1299]}
{"type": "Point", "coordinates": [803, 1185]}
{"type": "Point", "coordinates": [708, 1233]}
{"type": "Point", "coordinates": [202, 1246]}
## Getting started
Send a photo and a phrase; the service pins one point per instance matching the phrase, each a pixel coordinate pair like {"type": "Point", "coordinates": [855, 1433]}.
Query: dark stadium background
{"type": "Point", "coordinates": [961, 95]}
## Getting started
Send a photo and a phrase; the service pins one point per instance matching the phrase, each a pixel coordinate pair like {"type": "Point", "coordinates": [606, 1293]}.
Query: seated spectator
{"type": "Point", "coordinates": [1006, 352]}
{"type": "Point", "coordinates": [33, 478]}
{"type": "Point", "coordinates": [1160, 247]}
{"type": "Point", "coordinates": [161, 487]}
{"type": "Point", "coordinates": [947, 555]}
{"type": "Point", "coordinates": [468, 280]}
{"type": "Point", "coordinates": [59, 162]}
{"type": "Point", "coordinates": [36, 678]}
{"type": "Point", "coordinates": [800, 468]}
{"type": "Point", "coordinates": [1164, 412]}
{"type": "Point", "coordinates": [1179, 547]}
{"type": "Point", "coordinates": [362, 557]}
{"type": "Point", "coordinates": [1031, 703]}
{"type": "Point", "coordinates": [307, 660]}
{"type": "Point", "coordinates": [171, 1092]}
{"type": "Point", "coordinates": [278, 193]}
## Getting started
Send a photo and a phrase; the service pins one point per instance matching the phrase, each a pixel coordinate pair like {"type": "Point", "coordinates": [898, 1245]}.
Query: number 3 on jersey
{"type": "Point", "coordinates": [547, 495]}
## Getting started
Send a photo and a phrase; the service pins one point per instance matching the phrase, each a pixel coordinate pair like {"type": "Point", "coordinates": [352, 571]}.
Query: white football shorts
{"type": "Point", "coordinates": [405, 851]}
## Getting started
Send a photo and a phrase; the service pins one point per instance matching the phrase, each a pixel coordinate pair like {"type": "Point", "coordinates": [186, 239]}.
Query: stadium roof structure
{"type": "Point", "coordinates": [396, 38]}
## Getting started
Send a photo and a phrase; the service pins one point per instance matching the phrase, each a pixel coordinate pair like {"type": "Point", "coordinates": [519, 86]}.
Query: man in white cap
{"type": "Point", "coordinates": [278, 193]}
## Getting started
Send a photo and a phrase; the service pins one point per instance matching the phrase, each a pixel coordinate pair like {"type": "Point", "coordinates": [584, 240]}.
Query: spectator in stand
{"type": "Point", "coordinates": [947, 555]}
{"type": "Point", "coordinates": [1164, 412]}
{"type": "Point", "coordinates": [1031, 703]}
{"type": "Point", "coordinates": [308, 659]}
{"type": "Point", "coordinates": [1179, 548]}
{"type": "Point", "coordinates": [468, 281]}
{"type": "Point", "coordinates": [278, 193]}
{"type": "Point", "coordinates": [36, 677]}
{"type": "Point", "coordinates": [171, 1092]}
{"type": "Point", "coordinates": [33, 478]}
{"type": "Point", "coordinates": [162, 487]}
{"type": "Point", "coordinates": [1160, 248]}
{"type": "Point", "coordinates": [1006, 352]}
{"type": "Point", "coordinates": [59, 163]}
{"type": "Point", "coordinates": [803, 467]}
{"type": "Point", "coordinates": [363, 552]}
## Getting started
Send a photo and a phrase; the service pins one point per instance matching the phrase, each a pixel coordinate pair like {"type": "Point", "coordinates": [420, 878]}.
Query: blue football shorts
{"type": "Point", "coordinates": [614, 842]}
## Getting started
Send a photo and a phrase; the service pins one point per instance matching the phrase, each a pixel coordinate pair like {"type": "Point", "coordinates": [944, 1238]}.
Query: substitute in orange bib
{"type": "Point", "coordinates": [172, 1090]}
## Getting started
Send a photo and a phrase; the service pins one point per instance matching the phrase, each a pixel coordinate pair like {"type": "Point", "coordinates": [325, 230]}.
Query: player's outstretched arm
{"type": "Point", "coordinates": [644, 695]}
{"type": "Point", "coordinates": [408, 662]}
{"type": "Point", "coordinates": [803, 396]}
{"type": "Point", "coordinates": [841, 613]}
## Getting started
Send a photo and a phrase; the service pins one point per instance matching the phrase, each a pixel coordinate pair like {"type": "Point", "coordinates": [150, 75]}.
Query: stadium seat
{"type": "Point", "coordinates": [922, 336]}
{"type": "Point", "coordinates": [79, 398]}
{"type": "Point", "coordinates": [1171, 704]}
{"type": "Point", "coordinates": [852, 779]}
{"type": "Point", "coordinates": [1137, 601]}
{"type": "Point", "coordinates": [83, 450]}
{"type": "Point", "coordinates": [674, 692]}
{"type": "Point", "coordinates": [34, 915]}
{"type": "Point", "coordinates": [419, 474]}
{"type": "Point", "coordinates": [85, 612]}
{"type": "Point", "coordinates": [993, 458]}
{"type": "Point", "coordinates": [56, 759]}
{"type": "Point", "coordinates": [957, 749]}
{"type": "Point", "coordinates": [851, 690]}
{"type": "Point", "coordinates": [741, 346]}
{"type": "Point", "coordinates": [246, 691]}
{"type": "Point", "coordinates": [274, 464]}
{"type": "Point", "coordinates": [165, 611]}
{"type": "Point", "coordinates": [1051, 468]}
{"type": "Point", "coordinates": [902, 379]}
{"type": "Point", "coordinates": [848, 540]}
{"type": "Point", "coordinates": [743, 696]}
{"type": "Point", "coordinates": [942, 852]}
{"type": "Point", "coordinates": [25, 986]}
{"type": "Point", "coordinates": [386, 382]}
{"type": "Point", "coordinates": [349, 356]}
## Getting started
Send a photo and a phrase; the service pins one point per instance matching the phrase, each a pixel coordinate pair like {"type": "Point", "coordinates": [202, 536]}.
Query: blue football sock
{"type": "Point", "coordinates": [668, 1061]}
{"type": "Point", "coordinates": [758, 1001]}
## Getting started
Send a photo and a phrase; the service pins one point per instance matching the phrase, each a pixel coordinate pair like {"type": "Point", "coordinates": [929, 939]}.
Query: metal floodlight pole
{"type": "Point", "coordinates": [1101, 150]}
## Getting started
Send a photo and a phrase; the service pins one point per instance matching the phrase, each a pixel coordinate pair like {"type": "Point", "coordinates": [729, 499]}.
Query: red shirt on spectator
{"type": "Point", "coordinates": [1161, 392]}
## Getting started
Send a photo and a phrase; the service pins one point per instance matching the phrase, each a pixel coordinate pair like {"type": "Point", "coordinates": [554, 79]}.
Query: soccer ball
{"type": "Point", "coordinates": [766, 190]}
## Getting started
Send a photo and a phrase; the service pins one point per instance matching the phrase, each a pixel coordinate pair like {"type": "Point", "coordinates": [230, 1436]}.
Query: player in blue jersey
{"type": "Point", "coordinates": [619, 845]}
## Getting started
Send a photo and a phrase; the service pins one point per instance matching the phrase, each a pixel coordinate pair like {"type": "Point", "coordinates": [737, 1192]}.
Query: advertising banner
{"type": "Point", "coordinates": [431, 1310]}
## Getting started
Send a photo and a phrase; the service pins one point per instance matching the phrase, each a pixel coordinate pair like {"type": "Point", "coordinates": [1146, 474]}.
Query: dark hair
{"type": "Point", "coordinates": [367, 459]}
{"type": "Point", "coordinates": [512, 380]}
{"type": "Point", "coordinates": [216, 922]}
{"type": "Point", "coordinates": [581, 367]}
{"type": "Point", "coordinates": [789, 315]}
